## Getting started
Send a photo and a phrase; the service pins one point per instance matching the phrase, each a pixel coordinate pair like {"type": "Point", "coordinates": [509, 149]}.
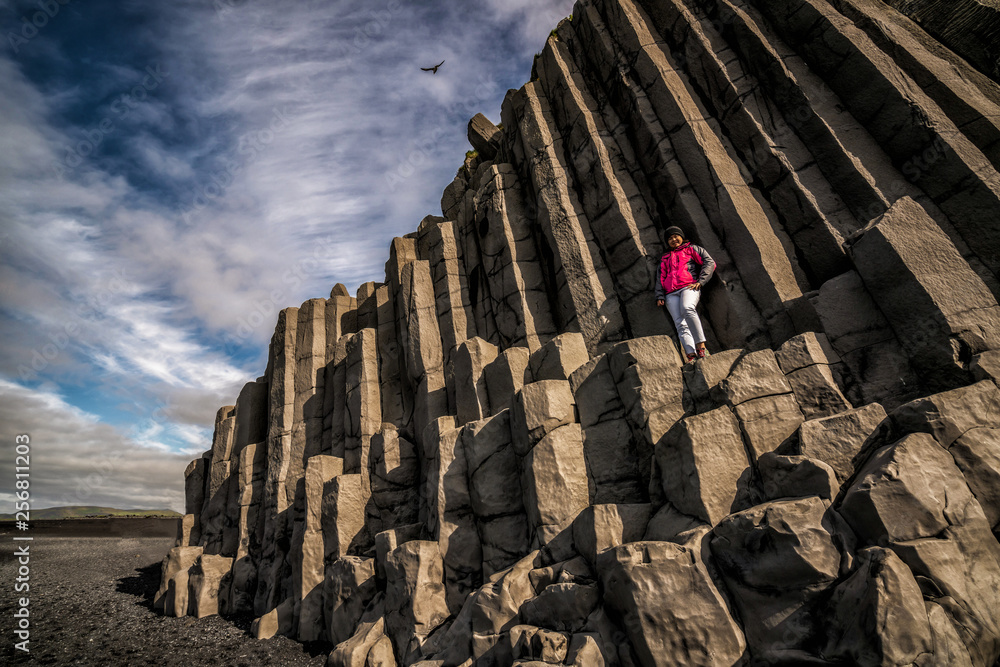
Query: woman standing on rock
{"type": "Point", "coordinates": [678, 288]}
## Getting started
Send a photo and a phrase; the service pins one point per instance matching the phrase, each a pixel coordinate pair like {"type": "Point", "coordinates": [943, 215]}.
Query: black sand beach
{"type": "Point", "coordinates": [92, 583]}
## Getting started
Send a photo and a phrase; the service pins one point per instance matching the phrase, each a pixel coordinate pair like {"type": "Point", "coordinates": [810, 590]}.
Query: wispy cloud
{"type": "Point", "coordinates": [176, 173]}
{"type": "Point", "coordinates": [77, 460]}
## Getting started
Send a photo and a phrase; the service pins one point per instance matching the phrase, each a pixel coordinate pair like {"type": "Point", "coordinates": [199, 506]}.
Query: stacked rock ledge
{"type": "Point", "coordinates": [497, 456]}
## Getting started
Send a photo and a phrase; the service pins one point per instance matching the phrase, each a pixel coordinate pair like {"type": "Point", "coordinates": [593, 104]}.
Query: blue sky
{"type": "Point", "coordinates": [172, 174]}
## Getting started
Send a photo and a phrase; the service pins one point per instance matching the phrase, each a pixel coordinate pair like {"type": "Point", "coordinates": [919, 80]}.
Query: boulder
{"type": "Point", "coordinates": [353, 652]}
{"type": "Point", "coordinates": [753, 375]}
{"type": "Point", "coordinates": [529, 642]}
{"type": "Point", "coordinates": [172, 596]}
{"type": "Point", "coordinates": [986, 366]}
{"type": "Point", "coordinates": [557, 359]}
{"type": "Point", "coordinates": [817, 391]}
{"type": "Point", "coordinates": [769, 421]}
{"type": "Point", "coordinates": [601, 527]}
{"type": "Point", "coordinates": [700, 461]}
{"type": "Point", "coordinates": [564, 606]}
{"type": "Point", "coordinates": [671, 610]}
{"type": "Point", "coordinates": [878, 615]}
{"type": "Point", "coordinates": [795, 477]}
{"type": "Point", "coordinates": [209, 576]}
{"type": "Point", "coordinates": [702, 378]}
{"type": "Point", "coordinates": [805, 349]}
{"type": "Point", "coordinates": [836, 440]}
{"type": "Point", "coordinates": [540, 408]}
{"type": "Point", "coordinates": [554, 481]}
{"type": "Point", "coordinates": [911, 497]}
{"type": "Point", "coordinates": [778, 560]}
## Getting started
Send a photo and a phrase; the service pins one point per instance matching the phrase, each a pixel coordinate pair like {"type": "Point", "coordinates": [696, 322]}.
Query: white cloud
{"type": "Point", "coordinates": [77, 460]}
{"type": "Point", "coordinates": [285, 147]}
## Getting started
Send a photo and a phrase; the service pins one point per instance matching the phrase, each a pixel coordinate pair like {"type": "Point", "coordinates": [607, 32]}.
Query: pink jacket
{"type": "Point", "coordinates": [678, 267]}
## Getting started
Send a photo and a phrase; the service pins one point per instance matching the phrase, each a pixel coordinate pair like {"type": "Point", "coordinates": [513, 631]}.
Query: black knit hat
{"type": "Point", "coordinates": [670, 231]}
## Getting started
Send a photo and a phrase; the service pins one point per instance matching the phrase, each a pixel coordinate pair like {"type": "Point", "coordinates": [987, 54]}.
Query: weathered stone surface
{"type": "Point", "coordinates": [703, 377]}
{"type": "Point", "coordinates": [777, 560]}
{"type": "Point", "coordinates": [206, 579]}
{"type": "Point", "coordinates": [836, 440]}
{"type": "Point", "coordinates": [753, 375]}
{"type": "Point", "coordinates": [859, 332]}
{"type": "Point", "coordinates": [395, 478]}
{"type": "Point", "coordinates": [595, 393]}
{"type": "Point", "coordinates": [538, 409]}
{"type": "Point", "coordinates": [380, 654]}
{"type": "Point", "coordinates": [769, 421]}
{"type": "Point", "coordinates": [806, 349]}
{"type": "Point", "coordinates": [700, 461]}
{"type": "Point", "coordinates": [911, 267]}
{"type": "Point", "coordinates": [363, 413]}
{"type": "Point", "coordinates": [668, 601]}
{"type": "Point", "coordinates": [945, 415]}
{"type": "Point", "coordinates": [878, 614]}
{"type": "Point", "coordinates": [601, 527]}
{"type": "Point", "coordinates": [308, 572]}
{"type": "Point", "coordinates": [977, 454]}
{"type": "Point", "coordinates": [986, 366]}
{"type": "Point", "coordinates": [194, 486]}
{"type": "Point", "coordinates": [554, 481]}
{"type": "Point", "coordinates": [529, 642]}
{"type": "Point", "coordinates": [557, 359]}
{"type": "Point", "coordinates": [472, 401]}
{"type": "Point", "coordinates": [278, 621]}
{"type": "Point", "coordinates": [188, 533]}
{"type": "Point", "coordinates": [484, 136]}
{"type": "Point", "coordinates": [612, 466]}
{"type": "Point", "coordinates": [353, 652]}
{"type": "Point", "coordinates": [172, 596]}
{"type": "Point", "coordinates": [343, 516]}
{"type": "Point", "coordinates": [504, 540]}
{"type": "Point", "coordinates": [505, 376]}
{"type": "Point", "coordinates": [510, 257]}
{"type": "Point", "coordinates": [669, 525]}
{"type": "Point", "coordinates": [564, 606]}
{"type": "Point", "coordinates": [795, 476]}
{"type": "Point", "coordinates": [584, 650]}
{"type": "Point", "coordinates": [817, 392]}
{"type": "Point", "coordinates": [415, 596]}
{"type": "Point", "coordinates": [911, 497]}
{"type": "Point", "coordinates": [347, 589]}
{"type": "Point", "coordinates": [584, 293]}
{"type": "Point", "coordinates": [251, 416]}
{"type": "Point", "coordinates": [494, 474]}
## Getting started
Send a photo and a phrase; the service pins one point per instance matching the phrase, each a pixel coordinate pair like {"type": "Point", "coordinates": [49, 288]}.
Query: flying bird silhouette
{"type": "Point", "coordinates": [432, 70]}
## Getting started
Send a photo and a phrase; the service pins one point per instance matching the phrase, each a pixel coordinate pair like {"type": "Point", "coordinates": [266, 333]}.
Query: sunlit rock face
{"type": "Point", "coordinates": [498, 455]}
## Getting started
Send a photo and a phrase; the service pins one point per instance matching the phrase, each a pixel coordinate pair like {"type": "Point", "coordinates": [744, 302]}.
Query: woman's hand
{"type": "Point", "coordinates": [659, 302]}
{"type": "Point", "coordinates": [696, 287]}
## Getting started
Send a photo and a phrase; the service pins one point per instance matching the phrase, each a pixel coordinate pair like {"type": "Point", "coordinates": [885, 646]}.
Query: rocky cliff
{"type": "Point", "coordinates": [497, 455]}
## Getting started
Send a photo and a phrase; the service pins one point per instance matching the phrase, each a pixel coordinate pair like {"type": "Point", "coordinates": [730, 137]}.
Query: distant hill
{"type": "Point", "coordinates": [82, 511]}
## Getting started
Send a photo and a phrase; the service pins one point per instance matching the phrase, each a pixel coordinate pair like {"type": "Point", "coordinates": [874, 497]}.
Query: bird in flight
{"type": "Point", "coordinates": [432, 70]}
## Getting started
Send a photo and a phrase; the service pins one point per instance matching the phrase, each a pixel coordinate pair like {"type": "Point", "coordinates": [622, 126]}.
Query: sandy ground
{"type": "Point", "coordinates": [91, 604]}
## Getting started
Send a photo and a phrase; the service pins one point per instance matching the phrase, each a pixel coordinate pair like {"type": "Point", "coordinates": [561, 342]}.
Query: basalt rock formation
{"type": "Point", "coordinates": [497, 456]}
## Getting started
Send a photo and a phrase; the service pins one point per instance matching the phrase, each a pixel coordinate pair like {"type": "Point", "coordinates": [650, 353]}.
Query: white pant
{"type": "Point", "coordinates": [682, 306]}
